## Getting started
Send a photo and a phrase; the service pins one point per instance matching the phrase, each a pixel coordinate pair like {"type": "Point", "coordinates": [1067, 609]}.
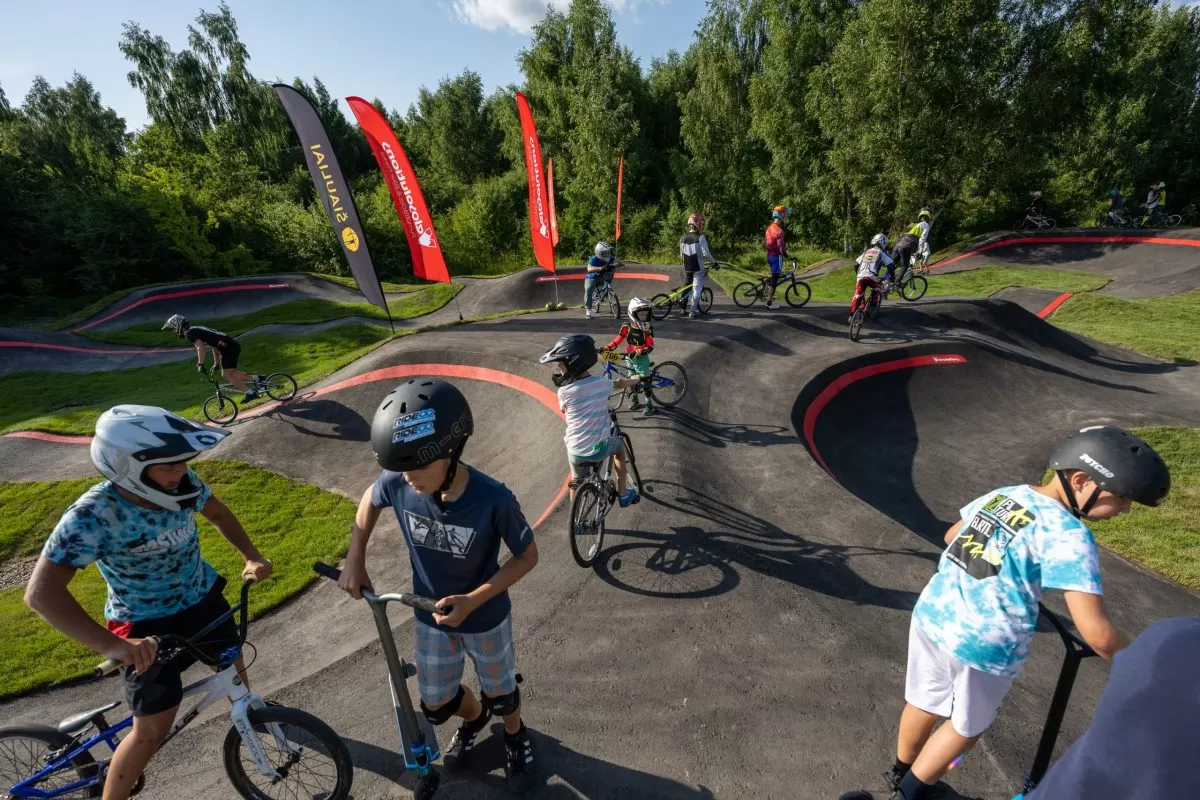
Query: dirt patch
{"type": "Point", "coordinates": [16, 573]}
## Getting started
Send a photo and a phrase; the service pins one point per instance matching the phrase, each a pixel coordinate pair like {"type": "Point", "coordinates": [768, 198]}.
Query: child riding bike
{"type": "Point", "coordinates": [914, 240]}
{"type": "Point", "coordinates": [583, 398]}
{"type": "Point", "coordinates": [697, 258]}
{"type": "Point", "coordinates": [775, 241]}
{"type": "Point", "coordinates": [600, 269]}
{"type": "Point", "coordinates": [139, 528]}
{"type": "Point", "coordinates": [224, 348]}
{"type": "Point", "coordinates": [638, 334]}
{"type": "Point", "coordinates": [869, 264]}
{"type": "Point", "coordinates": [1156, 200]}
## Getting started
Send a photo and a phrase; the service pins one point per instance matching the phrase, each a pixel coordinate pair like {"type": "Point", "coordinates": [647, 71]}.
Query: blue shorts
{"type": "Point", "coordinates": [441, 659]}
{"type": "Point", "coordinates": [581, 464]}
{"type": "Point", "coordinates": [775, 263]}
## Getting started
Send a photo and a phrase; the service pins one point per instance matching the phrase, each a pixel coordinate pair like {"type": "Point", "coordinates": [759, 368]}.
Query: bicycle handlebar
{"type": "Point", "coordinates": [169, 644]}
{"type": "Point", "coordinates": [1071, 640]}
{"type": "Point", "coordinates": [416, 601]}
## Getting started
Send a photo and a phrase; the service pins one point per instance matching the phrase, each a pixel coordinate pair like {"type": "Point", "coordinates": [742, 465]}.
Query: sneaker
{"type": "Point", "coordinates": [892, 778]}
{"type": "Point", "coordinates": [649, 412]}
{"type": "Point", "coordinates": [587, 314]}
{"type": "Point", "coordinates": [629, 498]}
{"type": "Point", "coordinates": [518, 763]}
{"type": "Point", "coordinates": [635, 404]}
{"type": "Point", "coordinates": [459, 752]}
{"type": "Point", "coordinates": [251, 395]}
{"type": "Point", "coordinates": [772, 305]}
{"type": "Point", "coordinates": [691, 315]}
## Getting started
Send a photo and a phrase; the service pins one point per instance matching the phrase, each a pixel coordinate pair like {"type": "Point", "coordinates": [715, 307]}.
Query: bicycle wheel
{"type": "Point", "coordinates": [747, 293]}
{"type": "Point", "coordinates": [668, 383]}
{"type": "Point", "coordinates": [1021, 224]}
{"type": "Point", "coordinates": [587, 524]}
{"type": "Point", "coordinates": [1047, 224]}
{"type": "Point", "coordinates": [873, 305]}
{"type": "Point", "coordinates": [914, 288]}
{"type": "Point", "coordinates": [220, 409]}
{"type": "Point", "coordinates": [280, 386]}
{"type": "Point", "coordinates": [26, 749]}
{"type": "Point", "coordinates": [635, 478]}
{"type": "Point", "coordinates": [797, 294]}
{"type": "Point", "coordinates": [1173, 220]}
{"type": "Point", "coordinates": [314, 763]}
{"type": "Point", "coordinates": [705, 300]}
{"type": "Point", "coordinates": [660, 306]}
{"type": "Point", "coordinates": [856, 323]}
{"type": "Point", "coordinates": [614, 305]}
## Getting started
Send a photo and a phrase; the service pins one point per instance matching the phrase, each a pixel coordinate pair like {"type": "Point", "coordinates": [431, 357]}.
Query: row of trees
{"type": "Point", "coordinates": [854, 112]}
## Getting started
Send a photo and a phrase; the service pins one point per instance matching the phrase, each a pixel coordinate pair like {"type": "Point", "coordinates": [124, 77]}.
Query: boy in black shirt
{"type": "Point", "coordinates": [224, 348]}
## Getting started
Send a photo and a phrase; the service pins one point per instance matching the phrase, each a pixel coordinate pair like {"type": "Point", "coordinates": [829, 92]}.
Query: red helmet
{"type": "Point", "coordinates": [697, 220]}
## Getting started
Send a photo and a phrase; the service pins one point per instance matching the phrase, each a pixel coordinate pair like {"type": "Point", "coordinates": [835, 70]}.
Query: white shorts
{"type": "Point", "coordinates": [940, 684]}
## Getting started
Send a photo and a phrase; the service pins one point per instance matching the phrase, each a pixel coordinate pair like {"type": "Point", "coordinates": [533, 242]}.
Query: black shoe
{"type": "Point", "coordinates": [459, 751]}
{"type": "Point", "coordinates": [251, 395]}
{"type": "Point", "coordinates": [893, 776]}
{"type": "Point", "coordinates": [519, 766]}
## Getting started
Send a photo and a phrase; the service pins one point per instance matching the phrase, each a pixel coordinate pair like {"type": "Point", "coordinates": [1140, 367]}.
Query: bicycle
{"type": "Point", "coordinates": [1114, 219]}
{"type": "Point", "coordinates": [222, 409]}
{"type": "Point", "coordinates": [1158, 219]}
{"type": "Point", "coordinates": [418, 740]}
{"type": "Point", "coordinates": [605, 293]}
{"type": "Point", "coordinates": [868, 308]}
{"type": "Point", "coordinates": [1034, 221]}
{"type": "Point", "coordinates": [912, 284]}
{"type": "Point", "coordinates": [266, 732]}
{"type": "Point", "coordinates": [595, 496]}
{"type": "Point", "coordinates": [797, 293]}
{"type": "Point", "coordinates": [661, 304]}
{"type": "Point", "coordinates": [666, 384]}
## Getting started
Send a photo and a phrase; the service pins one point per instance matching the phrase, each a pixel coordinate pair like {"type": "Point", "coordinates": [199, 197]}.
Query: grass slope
{"type": "Point", "coordinates": [1165, 539]}
{"type": "Point", "coordinates": [297, 312]}
{"type": "Point", "coordinates": [64, 402]}
{"type": "Point", "coordinates": [1163, 327]}
{"type": "Point", "coordinates": [838, 286]}
{"type": "Point", "coordinates": [270, 506]}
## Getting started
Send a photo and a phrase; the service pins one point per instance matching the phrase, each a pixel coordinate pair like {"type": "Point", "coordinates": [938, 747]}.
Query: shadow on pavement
{"type": "Point", "coordinates": [700, 560]}
{"type": "Point", "coordinates": [721, 434]}
{"type": "Point", "coordinates": [325, 419]}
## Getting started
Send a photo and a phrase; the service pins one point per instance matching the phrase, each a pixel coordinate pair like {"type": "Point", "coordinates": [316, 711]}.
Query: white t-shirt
{"type": "Point", "coordinates": [869, 262]}
{"type": "Point", "coordinates": [585, 403]}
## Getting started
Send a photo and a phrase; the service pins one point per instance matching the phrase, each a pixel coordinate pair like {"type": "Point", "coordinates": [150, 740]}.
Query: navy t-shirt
{"type": "Point", "coordinates": [210, 337]}
{"type": "Point", "coordinates": [456, 549]}
{"type": "Point", "coordinates": [1142, 740]}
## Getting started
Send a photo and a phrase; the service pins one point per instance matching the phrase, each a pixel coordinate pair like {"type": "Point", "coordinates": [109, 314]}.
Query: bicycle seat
{"type": "Point", "coordinates": [77, 722]}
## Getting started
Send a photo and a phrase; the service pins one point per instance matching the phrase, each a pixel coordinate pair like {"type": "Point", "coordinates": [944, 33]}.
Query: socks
{"type": "Point", "coordinates": [513, 737]}
{"type": "Point", "coordinates": [912, 788]}
{"type": "Point", "coordinates": [900, 768]}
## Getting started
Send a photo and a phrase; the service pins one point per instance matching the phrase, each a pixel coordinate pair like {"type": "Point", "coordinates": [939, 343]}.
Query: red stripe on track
{"type": "Point", "coordinates": [93, 350]}
{"type": "Point", "coordinates": [1053, 305]}
{"type": "Point", "coordinates": [1072, 240]}
{"type": "Point", "coordinates": [578, 276]}
{"type": "Point", "coordinates": [56, 438]}
{"type": "Point", "coordinates": [829, 392]}
{"type": "Point", "coordinates": [248, 287]}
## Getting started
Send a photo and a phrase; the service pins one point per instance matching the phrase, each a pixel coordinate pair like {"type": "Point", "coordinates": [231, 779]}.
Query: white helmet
{"type": "Point", "coordinates": [131, 438]}
{"type": "Point", "coordinates": [177, 323]}
{"type": "Point", "coordinates": [637, 305]}
{"type": "Point", "coordinates": [603, 249]}
{"type": "Point", "coordinates": [880, 240]}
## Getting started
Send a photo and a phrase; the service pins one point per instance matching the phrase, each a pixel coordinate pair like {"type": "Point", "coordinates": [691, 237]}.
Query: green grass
{"type": "Point", "coordinates": [388, 287]}
{"type": "Point", "coordinates": [297, 312]}
{"type": "Point", "coordinates": [270, 506]}
{"type": "Point", "coordinates": [1165, 539]}
{"type": "Point", "coordinates": [1163, 327]}
{"type": "Point", "coordinates": [31, 511]}
{"type": "Point", "coordinates": [65, 402]}
{"type": "Point", "coordinates": [837, 286]}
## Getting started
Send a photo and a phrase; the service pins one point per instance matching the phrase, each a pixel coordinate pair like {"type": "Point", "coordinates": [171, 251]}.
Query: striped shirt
{"type": "Point", "coordinates": [585, 402]}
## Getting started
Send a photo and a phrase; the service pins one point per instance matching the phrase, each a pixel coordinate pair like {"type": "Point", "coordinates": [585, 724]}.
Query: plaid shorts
{"type": "Point", "coordinates": [441, 658]}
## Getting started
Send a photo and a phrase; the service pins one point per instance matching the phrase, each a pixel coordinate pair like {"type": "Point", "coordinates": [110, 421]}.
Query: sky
{"type": "Point", "coordinates": [384, 48]}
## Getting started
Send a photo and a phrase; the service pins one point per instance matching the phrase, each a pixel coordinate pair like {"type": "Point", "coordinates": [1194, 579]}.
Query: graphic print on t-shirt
{"type": "Point", "coordinates": [981, 543]}
{"type": "Point", "coordinates": [434, 535]}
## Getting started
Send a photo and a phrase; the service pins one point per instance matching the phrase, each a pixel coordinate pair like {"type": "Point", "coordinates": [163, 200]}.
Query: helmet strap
{"type": "Point", "coordinates": [451, 473]}
{"type": "Point", "coordinates": [1076, 511]}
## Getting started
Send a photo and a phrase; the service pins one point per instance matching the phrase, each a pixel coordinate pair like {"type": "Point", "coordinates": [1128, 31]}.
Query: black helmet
{"type": "Point", "coordinates": [419, 422]}
{"type": "Point", "coordinates": [577, 351]}
{"type": "Point", "coordinates": [1117, 461]}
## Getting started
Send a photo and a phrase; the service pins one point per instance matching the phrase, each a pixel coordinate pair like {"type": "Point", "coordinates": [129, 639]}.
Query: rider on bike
{"type": "Point", "coordinates": [974, 623]}
{"type": "Point", "coordinates": [1037, 206]}
{"type": "Point", "coordinates": [1156, 200]}
{"type": "Point", "coordinates": [600, 268]}
{"type": "Point", "coordinates": [583, 399]}
{"type": "Point", "coordinates": [869, 264]}
{"type": "Point", "coordinates": [139, 528]}
{"type": "Point", "coordinates": [638, 334]}
{"type": "Point", "coordinates": [453, 519]}
{"type": "Point", "coordinates": [775, 241]}
{"type": "Point", "coordinates": [693, 248]}
{"type": "Point", "coordinates": [914, 240]}
{"type": "Point", "coordinates": [224, 348]}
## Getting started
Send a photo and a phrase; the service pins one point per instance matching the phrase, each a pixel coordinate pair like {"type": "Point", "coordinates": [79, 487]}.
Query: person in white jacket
{"type": "Point", "coordinates": [697, 258]}
{"type": "Point", "coordinates": [914, 240]}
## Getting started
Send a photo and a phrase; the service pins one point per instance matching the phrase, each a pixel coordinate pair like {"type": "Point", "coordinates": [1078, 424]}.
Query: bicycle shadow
{"type": "Point", "coordinates": [701, 560]}
{"type": "Point", "coordinates": [324, 419]}
{"type": "Point", "coordinates": [721, 434]}
{"type": "Point", "coordinates": [581, 774]}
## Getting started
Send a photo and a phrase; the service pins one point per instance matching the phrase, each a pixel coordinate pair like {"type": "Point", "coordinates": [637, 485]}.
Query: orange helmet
{"type": "Point", "coordinates": [696, 220]}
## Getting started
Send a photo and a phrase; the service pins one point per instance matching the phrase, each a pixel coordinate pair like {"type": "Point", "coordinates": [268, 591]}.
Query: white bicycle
{"type": "Point", "coordinates": [270, 750]}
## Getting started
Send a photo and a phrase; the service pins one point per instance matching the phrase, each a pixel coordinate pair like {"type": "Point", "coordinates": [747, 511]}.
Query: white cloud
{"type": "Point", "coordinates": [520, 15]}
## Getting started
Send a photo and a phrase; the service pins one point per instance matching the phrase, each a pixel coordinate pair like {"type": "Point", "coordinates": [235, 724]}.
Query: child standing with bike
{"type": "Point", "coordinates": [693, 249]}
{"type": "Point", "coordinates": [583, 398]}
{"type": "Point", "coordinates": [453, 518]}
{"type": "Point", "coordinates": [775, 241]}
{"type": "Point", "coordinates": [600, 269]}
{"type": "Point", "coordinates": [638, 335]}
{"type": "Point", "coordinates": [139, 528]}
{"type": "Point", "coordinates": [974, 623]}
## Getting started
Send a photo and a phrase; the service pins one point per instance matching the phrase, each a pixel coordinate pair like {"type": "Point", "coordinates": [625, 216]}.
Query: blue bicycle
{"type": "Point", "coordinates": [270, 750]}
{"type": "Point", "coordinates": [666, 384]}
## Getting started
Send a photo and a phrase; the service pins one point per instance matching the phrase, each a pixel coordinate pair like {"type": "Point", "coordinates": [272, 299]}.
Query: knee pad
{"type": "Point", "coordinates": [443, 713]}
{"type": "Point", "coordinates": [503, 705]}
